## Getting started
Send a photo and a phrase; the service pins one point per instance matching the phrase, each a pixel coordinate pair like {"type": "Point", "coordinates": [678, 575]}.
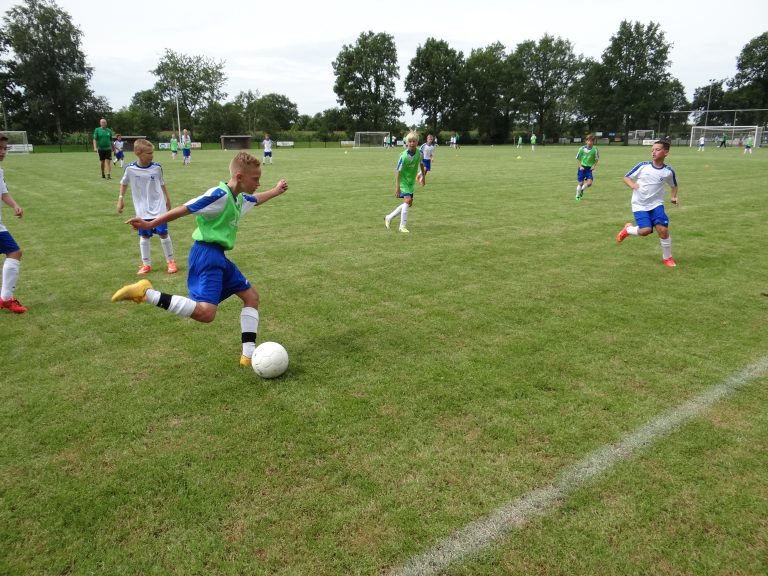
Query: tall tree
{"type": "Point", "coordinates": [431, 82]}
{"type": "Point", "coordinates": [246, 101]}
{"type": "Point", "coordinates": [197, 81]}
{"type": "Point", "coordinates": [751, 80]}
{"type": "Point", "coordinates": [47, 71]}
{"type": "Point", "coordinates": [365, 80]}
{"type": "Point", "coordinates": [275, 112]}
{"type": "Point", "coordinates": [636, 75]}
{"type": "Point", "coordinates": [550, 69]}
{"type": "Point", "coordinates": [485, 77]}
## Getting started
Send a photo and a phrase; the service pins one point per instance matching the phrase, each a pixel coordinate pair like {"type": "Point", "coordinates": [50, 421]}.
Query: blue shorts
{"type": "Point", "coordinates": [7, 243]}
{"type": "Point", "coordinates": [268, 154]}
{"type": "Point", "coordinates": [161, 230]}
{"type": "Point", "coordinates": [404, 194]}
{"type": "Point", "coordinates": [427, 164]}
{"type": "Point", "coordinates": [212, 277]}
{"type": "Point", "coordinates": [585, 174]}
{"type": "Point", "coordinates": [187, 152]}
{"type": "Point", "coordinates": [650, 218]}
{"type": "Point", "coordinates": [119, 155]}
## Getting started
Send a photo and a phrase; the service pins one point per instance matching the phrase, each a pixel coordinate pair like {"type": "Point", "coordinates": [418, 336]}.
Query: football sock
{"type": "Point", "coordinates": [403, 215]}
{"type": "Point", "coordinates": [249, 326]}
{"type": "Point", "coordinates": [632, 230]}
{"type": "Point", "coordinates": [179, 305]}
{"type": "Point", "coordinates": [395, 212]}
{"type": "Point", "coordinates": [167, 248]}
{"type": "Point", "coordinates": [144, 250]}
{"type": "Point", "coordinates": [10, 276]}
{"type": "Point", "coordinates": [666, 248]}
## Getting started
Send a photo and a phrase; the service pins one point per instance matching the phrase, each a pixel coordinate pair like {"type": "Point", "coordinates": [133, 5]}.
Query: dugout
{"type": "Point", "coordinates": [128, 142]}
{"type": "Point", "coordinates": [235, 142]}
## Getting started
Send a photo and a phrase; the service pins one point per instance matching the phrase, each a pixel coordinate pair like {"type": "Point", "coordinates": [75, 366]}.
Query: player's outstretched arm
{"type": "Point", "coordinates": [169, 216]}
{"type": "Point", "coordinates": [281, 187]}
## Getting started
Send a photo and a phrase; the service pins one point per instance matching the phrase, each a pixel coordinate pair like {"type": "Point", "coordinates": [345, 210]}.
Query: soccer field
{"type": "Point", "coordinates": [435, 377]}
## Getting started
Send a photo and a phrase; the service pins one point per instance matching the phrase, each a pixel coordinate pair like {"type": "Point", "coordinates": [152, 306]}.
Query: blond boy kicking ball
{"type": "Point", "coordinates": [212, 277]}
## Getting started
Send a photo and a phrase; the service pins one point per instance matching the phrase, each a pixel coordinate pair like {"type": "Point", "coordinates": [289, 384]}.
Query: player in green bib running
{"type": "Point", "coordinates": [587, 157]}
{"type": "Point", "coordinates": [409, 165]}
{"type": "Point", "coordinates": [212, 277]}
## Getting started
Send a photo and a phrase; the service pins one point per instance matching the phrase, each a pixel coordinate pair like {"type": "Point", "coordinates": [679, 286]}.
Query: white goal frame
{"type": "Point", "coordinates": [735, 134]}
{"type": "Point", "coordinates": [17, 141]}
{"type": "Point", "coordinates": [644, 135]}
{"type": "Point", "coordinates": [371, 139]}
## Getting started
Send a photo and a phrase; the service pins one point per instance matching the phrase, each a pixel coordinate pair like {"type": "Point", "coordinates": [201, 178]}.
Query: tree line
{"type": "Point", "coordinates": [494, 92]}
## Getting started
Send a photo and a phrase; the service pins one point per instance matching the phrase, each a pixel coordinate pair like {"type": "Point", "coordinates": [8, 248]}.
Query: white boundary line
{"type": "Point", "coordinates": [482, 533]}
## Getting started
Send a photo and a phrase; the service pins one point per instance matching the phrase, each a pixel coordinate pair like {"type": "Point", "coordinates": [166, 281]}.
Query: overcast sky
{"type": "Point", "coordinates": [287, 46]}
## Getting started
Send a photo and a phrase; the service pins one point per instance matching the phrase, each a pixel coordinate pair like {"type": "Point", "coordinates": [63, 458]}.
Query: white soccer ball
{"type": "Point", "coordinates": [269, 360]}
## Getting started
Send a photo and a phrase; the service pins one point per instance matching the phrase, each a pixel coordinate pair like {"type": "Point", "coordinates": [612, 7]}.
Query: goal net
{"type": "Point", "coordinates": [733, 135]}
{"type": "Point", "coordinates": [371, 139]}
{"type": "Point", "coordinates": [17, 142]}
{"type": "Point", "coordinates": [644, 135]}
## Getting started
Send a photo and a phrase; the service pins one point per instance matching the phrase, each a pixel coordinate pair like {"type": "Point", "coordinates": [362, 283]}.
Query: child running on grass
{"type": "Point", "coordinates": [647, 181]}
{"type": "Point", "coordinates": [8, 245]}
{"type": "Point", "coordinates": [408, 166]}
{"type": "Point", "coordinates": [212, 277]}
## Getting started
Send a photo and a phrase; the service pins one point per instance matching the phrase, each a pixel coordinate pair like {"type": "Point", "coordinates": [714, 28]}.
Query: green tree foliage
{"type": "Point", "coordinates": [197, 81]}
{"type": "Point", "coordinates": [47, 91]}
{"type": "Point", "coordinates": [275, 112]}
{"type": "Point", "coordinates": [485, 78]}
{"type": "Point", "coordinates": [635, 73]}
{"type": "Point", "coordinates": [751, 80]}
{"type": "Point", "coordinates": [246, 101]}
{"type": "Point", "coordinates": [365, 81]}
{"type": "Point", "coordinates": [220, 119]}
{"type": "Point", "coordinates": [433, 83]}
{"type": "Point", "coordinates": [549, 70]}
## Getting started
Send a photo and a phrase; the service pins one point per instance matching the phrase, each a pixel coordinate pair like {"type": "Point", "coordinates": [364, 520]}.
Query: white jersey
{"type": "Point", "coordinates": [427, 151]}
{"type": "Point", "coordinates": [3, 190]}
{"type": "Point", "coordinates": [145, 183]}
{"type": "Point", "coordinates": [267, 145]}
{"type": "Point", "coordinates": [650, 194]}
{"type": "Point", "coordinates": [118, 144]}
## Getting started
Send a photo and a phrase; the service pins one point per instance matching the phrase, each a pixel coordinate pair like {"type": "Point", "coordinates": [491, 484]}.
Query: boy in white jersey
{"type": "Point", "coordinates": [117, 146]}
{"type": "Point", "coordinates": [8, 245]}
{"type": "Point", "coordinates": [150, 199]}
{"type": "Point", "coordinates": [212, 277]}
{"type": "Point", "coordinates": [186, 146]}
{"type": "Point", "coordinates": [267, 142]}
{"type": "Point", "coordinates": [427, 154]}
{"type": "Point", "coordinates": [408, 166]}
{"type": "Point", "coordinates": [647, 181]}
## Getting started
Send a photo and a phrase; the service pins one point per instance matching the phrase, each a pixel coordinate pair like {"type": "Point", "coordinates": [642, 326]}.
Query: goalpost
{"type": "Point", "coordinates": [641, 135]}
{"type": "Point", "coordinates": [17, 142]}
{"type": "Point", "coordinates": [734, 135]}
{"type": "Point", "coordinates": [371, 139]}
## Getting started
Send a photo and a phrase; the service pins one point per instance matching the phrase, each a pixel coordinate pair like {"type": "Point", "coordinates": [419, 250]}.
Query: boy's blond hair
{"type": "Point", "coordinates": [412, 136]}
{"type": "Point", "coordinates": [590, 136]}
{"type": "Point", "coordinates": [242, 162]}
{"type": "Point", "coordinates": [142, 144]}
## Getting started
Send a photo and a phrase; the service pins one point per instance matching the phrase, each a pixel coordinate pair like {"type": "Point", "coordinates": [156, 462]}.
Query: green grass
{"type": "Point", "coordinates": [433, 377]}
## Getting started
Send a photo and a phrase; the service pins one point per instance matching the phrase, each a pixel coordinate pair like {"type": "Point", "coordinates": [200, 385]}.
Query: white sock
{"type": "Point", "coordinates": [179, 305]}
{"type": "Point", "coordinates": [249, 326]}
{"type": "Point", "coordinates": [144, 250]}
{"type": "Point", "coordinates": [167, 248]}
{"type": "Point", "coordinates": [666, 248]}
{"type": "Point", "coordinates": [632, 230]}
{"type": "Point", "coordinates": [404, 215]}
{"type": "Point", "coordinates": [10, 276]}
{"type": "Point", "coordinates": [395, 212]}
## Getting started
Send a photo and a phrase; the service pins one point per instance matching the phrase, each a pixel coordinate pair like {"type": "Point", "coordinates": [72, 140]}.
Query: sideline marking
{"type": "Point", "coordinates": [481, 533]}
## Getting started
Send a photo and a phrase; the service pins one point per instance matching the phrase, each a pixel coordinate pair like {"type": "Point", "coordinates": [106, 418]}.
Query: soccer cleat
{"type": "Point", "coordinates": [386, 222]}
{"type": "Point", "coordinates": [245, 361]}
{"type": "Point", "coordinates": [136, 292]}
{"type": "Point", "coordinates": [405, 230]}
{"type": "Point", "coordinates": [669, 262]}
{"type": "Point", "coordinates": [144, 269]}
{"type": "Point", "coordinates": [578, 195]}
{"type": "Point", "coordinates": [623, 233]}
{"type": "Point", "coordinates": [109, 176]}
{"type": "Point", "coordinates": [13, 305]}
{"type": "Point", "coordinates": [172, 269]}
